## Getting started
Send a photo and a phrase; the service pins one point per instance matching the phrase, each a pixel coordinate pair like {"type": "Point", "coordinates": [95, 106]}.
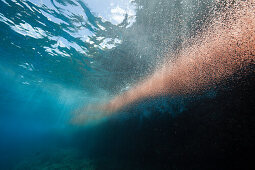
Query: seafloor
{"type": "Point", "coordinates": [211, 133]}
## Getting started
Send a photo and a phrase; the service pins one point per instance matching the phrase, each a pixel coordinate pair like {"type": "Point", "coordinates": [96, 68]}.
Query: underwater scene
{"type": "Point", "coordinates": [127, 84]}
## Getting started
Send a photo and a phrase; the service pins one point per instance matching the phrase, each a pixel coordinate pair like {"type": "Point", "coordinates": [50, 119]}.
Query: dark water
{"type": "Point", "coordinates": [56, 55]}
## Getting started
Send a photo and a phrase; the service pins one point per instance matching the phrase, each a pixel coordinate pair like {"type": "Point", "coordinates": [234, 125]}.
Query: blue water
{"type": "Point", "coordinates": [58, 55]}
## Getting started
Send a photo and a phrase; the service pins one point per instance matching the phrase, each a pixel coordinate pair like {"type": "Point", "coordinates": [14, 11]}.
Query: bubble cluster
{"type": "Point", "coordinates": [220, 50]}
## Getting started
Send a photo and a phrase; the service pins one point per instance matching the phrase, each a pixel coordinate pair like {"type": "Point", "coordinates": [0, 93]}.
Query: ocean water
{"type": "Point", "coordinates": [59, 55]}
